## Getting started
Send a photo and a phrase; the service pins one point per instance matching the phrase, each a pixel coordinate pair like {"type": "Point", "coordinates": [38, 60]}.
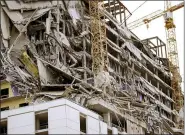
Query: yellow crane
{"type": "Point", "coordinates": [171, 43]}
{"type": "Point", "coordinates": [98, 38]}
{"type": "Point", "coordinates": [148, 18]}
{"type": "Point", "coordinates": [173, 55]}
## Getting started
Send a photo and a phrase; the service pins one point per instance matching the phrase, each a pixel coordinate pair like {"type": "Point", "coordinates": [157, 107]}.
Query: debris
{"type": "Point", "coordinates": [47, 54]}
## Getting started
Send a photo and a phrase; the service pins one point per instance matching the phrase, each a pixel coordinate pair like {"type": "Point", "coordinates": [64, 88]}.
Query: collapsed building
{"type": "Point", "coordinates": [47, 55]}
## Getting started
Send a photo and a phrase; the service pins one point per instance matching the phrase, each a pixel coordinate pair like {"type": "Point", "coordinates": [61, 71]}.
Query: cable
{"type": "Point", "coordinates": [134, 11]}
{"type": "Point", "coordinates": [139, 6]}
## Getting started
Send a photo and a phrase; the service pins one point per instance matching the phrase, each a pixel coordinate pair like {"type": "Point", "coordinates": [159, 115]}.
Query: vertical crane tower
{"type": "Point", "coordinates": [98, 38]}
{"type": "Point", "coordinates": [172, 54]}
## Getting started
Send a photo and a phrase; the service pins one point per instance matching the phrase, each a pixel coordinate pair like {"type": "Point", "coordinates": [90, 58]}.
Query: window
{"type": "Point", "coordinates": [5, 93]}
{"type": "Point", "coordinates": [43, 124]}
{"type": "Point", "coordinates": [3, 130]}
{"type": "Point", "coordinates": [41, 121]}
{"type": "Point", "coordinates": [109, 131]}
{"type": "Point", "coordinates": [3, 127]}
{"type": "Point", "coordinates": [23, 104]}
{"type": "Point", "coordinates": [83, 124]}
{"type": "Point", "coordinates": [5, 108]}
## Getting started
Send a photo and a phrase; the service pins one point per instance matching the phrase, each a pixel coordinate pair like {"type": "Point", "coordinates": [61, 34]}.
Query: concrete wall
{"type": "Point", "coordinates": [93, 125]}
{"type": "Point", "coordinates": [67, 120]}
{"type": "Point", "coordinates": [63, 118]}
{"type": "Point", "coordinates": [22, 124]}
{"type": "Point", "coordinates": [103, 127]}
{"type": "Point", "coordinates": [114, 131]}
{"type": "Point", "coordinates": [57, 121]}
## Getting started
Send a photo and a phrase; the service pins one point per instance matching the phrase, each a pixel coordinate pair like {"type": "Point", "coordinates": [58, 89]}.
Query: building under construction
{"type": "Point", "coordinates": [74, 67]}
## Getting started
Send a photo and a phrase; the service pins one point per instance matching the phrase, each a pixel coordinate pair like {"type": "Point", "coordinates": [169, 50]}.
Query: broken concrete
{"type": "Point", "coordinates": [47, 55]}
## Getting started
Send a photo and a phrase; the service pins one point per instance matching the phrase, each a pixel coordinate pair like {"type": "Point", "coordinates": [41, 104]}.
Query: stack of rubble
{"type": "Point", "coordinates": [46, 54]}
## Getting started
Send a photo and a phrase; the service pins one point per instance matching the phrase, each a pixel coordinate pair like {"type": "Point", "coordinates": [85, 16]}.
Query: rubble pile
{"type": "Point", "coordinates": [46, 55]}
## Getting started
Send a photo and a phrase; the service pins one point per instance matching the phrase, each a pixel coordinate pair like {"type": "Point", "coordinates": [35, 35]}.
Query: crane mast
{"type": "Point", "coordinates": [98, 38]}
{"type": "Point", "coordinates": [172, 54]}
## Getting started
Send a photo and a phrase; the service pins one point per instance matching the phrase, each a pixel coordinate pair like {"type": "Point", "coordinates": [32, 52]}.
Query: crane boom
{"type": "Point", "coordinates": [145, 19]}
{"type": "Point", "coordinates": [148, 18]}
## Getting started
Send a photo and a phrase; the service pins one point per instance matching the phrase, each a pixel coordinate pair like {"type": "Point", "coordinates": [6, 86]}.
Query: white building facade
{"type": "Point", "coordinates": [55, 117]}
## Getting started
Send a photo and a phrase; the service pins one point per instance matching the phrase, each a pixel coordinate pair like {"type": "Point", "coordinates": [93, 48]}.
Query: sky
{"type": "Point", "coordinates": [156, 27]}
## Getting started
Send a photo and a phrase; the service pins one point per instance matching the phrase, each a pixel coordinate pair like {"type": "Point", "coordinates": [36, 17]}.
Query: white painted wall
{"type": "Point", "coordinates": [57, 120]}
{"type": "Point", "coordinates": [93, 125]}
{"type": "Point", "coordinates": [73, 120]}
{"type": "Point", "coordinates": [22, 124]}
{"type": "Point", "coordinates": [103, 127]}
{"type": "Point", "coordinates": [81, 109]}
{"type": "Point", "coordinates": [63, 120]}
{"type": "Point", "coordinates": [114, 131]}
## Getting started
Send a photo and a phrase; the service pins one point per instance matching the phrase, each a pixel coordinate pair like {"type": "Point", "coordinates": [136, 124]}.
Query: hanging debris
{"type": "Point", "coordinates": [49, 52]}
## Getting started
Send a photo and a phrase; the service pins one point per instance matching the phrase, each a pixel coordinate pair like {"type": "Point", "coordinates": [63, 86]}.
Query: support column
{"type": "Point", "coordinates": [107, 118]}
{"type": "Point", "coordinates": [129, 130]}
